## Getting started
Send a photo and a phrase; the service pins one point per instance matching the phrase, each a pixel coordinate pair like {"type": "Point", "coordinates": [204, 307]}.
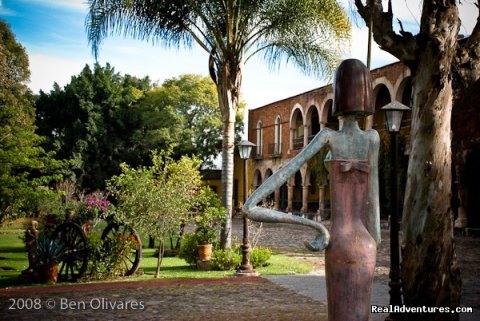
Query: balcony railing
{"type": "Point", "coordinates": [275, 150]}
{"type": "Point", "coordinates": [298, 143]}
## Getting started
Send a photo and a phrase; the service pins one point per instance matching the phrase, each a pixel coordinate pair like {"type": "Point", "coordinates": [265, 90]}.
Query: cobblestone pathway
{"type": "Point", "coordinates": [254, 299]}
{"type": "Point", "coordinates": [226, 299]}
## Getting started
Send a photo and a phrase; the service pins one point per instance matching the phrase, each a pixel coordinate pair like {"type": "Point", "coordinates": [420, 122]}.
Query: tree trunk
{"type": "Point", "coordinates": [228, 88]}
{"type": "Point", "coordinates": [227, 181]}
{"type": "Point", "coordinates": [160, 257]}
{"type": "Point", "coordinates": [429, 270]}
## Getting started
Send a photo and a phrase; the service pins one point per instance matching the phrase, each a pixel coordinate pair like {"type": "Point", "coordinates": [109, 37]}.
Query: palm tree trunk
{"type": "Point", "coordinates": [227, 182]}
{"type": "Point", "coordinates": [228, 88]}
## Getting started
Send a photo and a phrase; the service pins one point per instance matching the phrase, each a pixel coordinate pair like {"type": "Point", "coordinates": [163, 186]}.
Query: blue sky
{"type": "Point", "coordinates": [53, 33]}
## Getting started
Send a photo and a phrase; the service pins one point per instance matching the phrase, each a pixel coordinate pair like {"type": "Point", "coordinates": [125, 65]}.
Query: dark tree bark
{"type": "Point", "coordinates": [439, 63]}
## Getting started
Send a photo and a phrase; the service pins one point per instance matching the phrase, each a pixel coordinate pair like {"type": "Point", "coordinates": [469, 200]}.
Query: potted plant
{"type": "Point", "coordinates": [206, 232]}
{"type": "Point", "coordinates": [49, 253]}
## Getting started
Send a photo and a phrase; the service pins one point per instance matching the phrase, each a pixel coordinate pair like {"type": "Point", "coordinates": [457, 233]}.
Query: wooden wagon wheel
{"type": "Point", "coordinates": [131, 260]}
{"type": "Point", "coordinates": [75, 260]}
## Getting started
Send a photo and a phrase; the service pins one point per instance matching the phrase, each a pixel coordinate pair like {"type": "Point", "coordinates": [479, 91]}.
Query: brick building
{"type": "Point", "coordinates": [281, 129]}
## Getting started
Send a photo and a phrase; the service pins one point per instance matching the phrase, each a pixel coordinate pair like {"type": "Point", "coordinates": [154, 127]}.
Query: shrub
{"type": "Point", "coordinates": [188, 248]}
{"type": "Point", "coordinates": [259, 256]}
{"type": "Point", "coordinates": [225, 260]}
{"type": "Point", "coordinates": [107, 256]}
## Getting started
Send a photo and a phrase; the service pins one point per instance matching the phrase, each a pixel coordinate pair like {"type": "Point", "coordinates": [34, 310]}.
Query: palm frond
{"type": "Point", "coordinates": [309, 33]}
{"type": "Point", "coordinates": [168, 22]}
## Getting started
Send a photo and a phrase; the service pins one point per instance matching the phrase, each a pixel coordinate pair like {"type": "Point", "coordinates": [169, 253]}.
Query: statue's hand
{"type": "Point", "coordinates": [318, 244]}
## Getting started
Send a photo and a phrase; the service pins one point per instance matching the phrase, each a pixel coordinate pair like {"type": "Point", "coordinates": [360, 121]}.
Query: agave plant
{"type": "Point", "coordinates": [50, 250]}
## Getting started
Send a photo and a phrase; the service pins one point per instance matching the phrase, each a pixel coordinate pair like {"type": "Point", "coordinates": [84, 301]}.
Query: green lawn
{"type": "Point", "coordinates": [13, 256]}
{"type": "Point", "coordinates": [13, 259]}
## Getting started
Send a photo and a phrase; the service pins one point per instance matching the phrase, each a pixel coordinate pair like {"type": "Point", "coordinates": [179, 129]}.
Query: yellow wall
{"type": "Point", "coordinates": [238, 197]}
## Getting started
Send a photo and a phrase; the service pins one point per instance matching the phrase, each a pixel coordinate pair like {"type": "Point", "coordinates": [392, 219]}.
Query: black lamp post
{"type": "Point", "coordinates": [393, 115]}
{"type": "Point", "coordinates": [245, 148]}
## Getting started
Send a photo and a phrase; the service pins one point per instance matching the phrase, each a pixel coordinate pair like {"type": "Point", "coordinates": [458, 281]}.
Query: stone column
{"type": "Point", "coordinates": [305, 135]}
{"type": "Point", "coordinates": [290, 188]}
{"type": "Point", "coordinates": [368, 122]}
{"type": "Point", "coordinates": [276, 199]}
{"type": "Point", "coordinates": [321, 202]}
{"type": "Point", "coordinates": [305, 199]}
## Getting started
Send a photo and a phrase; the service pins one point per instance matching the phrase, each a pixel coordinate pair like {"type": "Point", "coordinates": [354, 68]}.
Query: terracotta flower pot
{"type": "Point", "coordinates": [48, 272]}
{"type": "Point", "coordinates": [205, 252]}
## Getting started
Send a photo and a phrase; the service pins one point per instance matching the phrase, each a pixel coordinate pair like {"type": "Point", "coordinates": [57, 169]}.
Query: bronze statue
{"type": "Point", "coordinates": [353, 166]}
{"type": "Point", "coordinates": [31, 238]}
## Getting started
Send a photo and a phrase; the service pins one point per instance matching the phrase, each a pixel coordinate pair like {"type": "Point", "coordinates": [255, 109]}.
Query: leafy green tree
{"type": "Point", "coordinates": [156, 199]}
{"type": "Point", "coordinates": [306, 32]}
{"type": "Point", "coordinates": [89, 123]}
{"type": "Point", "coordinates": [102, 118]}
{"type": "Point", "coordinates": [183, 111]}
{"type": "Point", "coordinates": [25, 168]}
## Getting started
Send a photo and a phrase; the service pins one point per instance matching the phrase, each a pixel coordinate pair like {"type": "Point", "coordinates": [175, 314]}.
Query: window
{"type": "Point", "coordinates": [277, 147]}
{"type": "Point", "coordinates": [259, 147]}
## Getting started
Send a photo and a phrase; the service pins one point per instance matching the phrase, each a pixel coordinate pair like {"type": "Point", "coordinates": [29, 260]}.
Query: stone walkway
{"type": "Point", "coordinates": [246, 299]}
{"type": "Point", "coordinates": [291, 297]}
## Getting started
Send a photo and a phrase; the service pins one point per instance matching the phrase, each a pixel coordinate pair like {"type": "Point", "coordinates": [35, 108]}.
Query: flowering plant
{"type": "Point", "coordinates": [92, 206]}
{"type": "Point", "coordinates": [97, 206]}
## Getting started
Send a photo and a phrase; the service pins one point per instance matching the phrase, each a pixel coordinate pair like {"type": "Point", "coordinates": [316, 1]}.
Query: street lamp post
{"type": "Point", "coordinates": [393, 115]}
{"type": "Point", "coordinates": [245, 269]}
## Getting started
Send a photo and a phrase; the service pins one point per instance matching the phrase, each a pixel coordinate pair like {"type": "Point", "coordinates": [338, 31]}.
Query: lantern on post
{"type": "Point", "coordinates": [245, 149]}
{"type": "Point", "coordinates": [393, 116]}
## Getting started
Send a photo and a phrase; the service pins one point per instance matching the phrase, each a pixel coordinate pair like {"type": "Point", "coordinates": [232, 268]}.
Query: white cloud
{"type": "Point", "coordinates": [410, 11]}
{"type": "Point", "coordinates": [359, 48]}
{"type": "Point", "coordinates": [132, 57]}
{"type": "Point", "coordinates": [46, 69]}
{"type": "Point", "coordinates": [6, 12]}
{"type": "Point", "coordinates": [468, 14]}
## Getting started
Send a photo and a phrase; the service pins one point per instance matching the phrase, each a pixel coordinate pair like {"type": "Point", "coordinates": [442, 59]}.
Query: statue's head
{"type": "Point", "coordinates": [353, 89]}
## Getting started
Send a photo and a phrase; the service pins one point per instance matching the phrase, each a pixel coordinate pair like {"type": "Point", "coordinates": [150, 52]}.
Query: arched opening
{"type": "Point", "coordinates": [327, 117]}
{"type": "Point", "coordinates": [404, 95]}
{"type": "Point", "coordinates": [406, 98]}
{"type": "Point", "coordinates": [472, 180]}
{"type": "Point", "coordinates": [283, 197]}
{"type": "Point", "coordinates": [297, 130]}
{"type": "Point", "coordinates": [298, 192]}
{"type": "Point", "coordinates": [313, 191]}
{"type": "Point", "coordinates": [314, 123]}
{"type": "Point", "coordinates": [271, 197]}
{"type": "Point", "coordinates": [257, 179]}
{"type": "Point", "coordinates": [382, 97]}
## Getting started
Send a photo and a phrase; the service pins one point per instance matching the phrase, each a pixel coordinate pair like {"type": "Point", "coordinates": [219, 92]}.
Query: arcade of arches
{"type": "Point", "coordinates": [283, 128]}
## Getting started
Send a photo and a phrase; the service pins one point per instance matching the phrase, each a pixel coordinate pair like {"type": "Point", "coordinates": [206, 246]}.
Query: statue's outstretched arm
{"type": "Point", "coordinates": [373, 212]}
{"type": "Point", "coordinates": [257, 213]}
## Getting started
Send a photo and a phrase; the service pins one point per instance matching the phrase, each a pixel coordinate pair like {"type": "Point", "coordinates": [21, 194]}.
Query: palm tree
{"type": "Point", "coordinates": [308, 33]}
